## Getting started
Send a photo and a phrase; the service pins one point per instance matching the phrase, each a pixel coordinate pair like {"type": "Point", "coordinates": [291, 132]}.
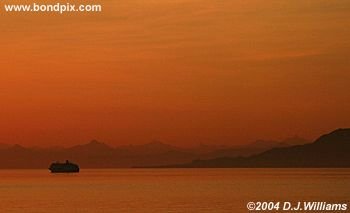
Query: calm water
{"type": "Point", "coordinates": [166, 190]}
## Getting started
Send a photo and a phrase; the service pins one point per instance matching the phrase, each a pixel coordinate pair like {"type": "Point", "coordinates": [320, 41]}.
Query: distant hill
{"type": "Point", "coordinates": [152, 148]}
{"type": "Point", "coordinates": [256, 147]}
{"type": "Point", "coordinates": [4, 146]}
{"type": "Point", "coordinates": [96, 154]}
{"type": "Point", "coordinates": [331, 150]}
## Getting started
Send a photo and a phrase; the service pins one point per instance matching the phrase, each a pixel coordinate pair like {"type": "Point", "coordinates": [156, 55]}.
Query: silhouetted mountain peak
{"type": "Point", "coordinates": [291, 141]}
{"type": "Point", "coordinates": [96, 143]}
{"type": "Point", "coordinates": [156, 143]}
{"type": "Point", "coordinates": [93, 146]}
{"type": "Point", "coordinates": [4, 146]}
{"type": "Point", "coordinates": [343, 132]}
{"type": "Point", "coordinates": [263, 143]}
{"type": "Point", "coordinates": [329, 151]}
{"type": "Point", "coordinates": [341, 136]}
{"type": "Point", "coordinates": [152, 148]}
{"type": "Point", "coordinates": [295, 140]}
{"type": "Point", "coordinates": [18, 147]}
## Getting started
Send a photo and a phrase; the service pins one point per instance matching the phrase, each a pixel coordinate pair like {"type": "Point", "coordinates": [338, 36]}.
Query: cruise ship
{"type": "Point", "coordinates": [67, 167]}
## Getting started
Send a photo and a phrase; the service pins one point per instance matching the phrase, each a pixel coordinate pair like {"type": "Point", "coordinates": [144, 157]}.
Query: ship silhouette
{"type": "Point", "coordinates": [67, 167]}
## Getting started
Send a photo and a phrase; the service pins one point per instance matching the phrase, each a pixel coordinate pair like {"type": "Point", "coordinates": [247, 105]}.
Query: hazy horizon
{"type": "Point", "coordinates": [192, 145]}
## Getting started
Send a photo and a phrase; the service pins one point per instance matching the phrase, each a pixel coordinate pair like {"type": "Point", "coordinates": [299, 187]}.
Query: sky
{"type": "Point", "coordinates": [183, 72]}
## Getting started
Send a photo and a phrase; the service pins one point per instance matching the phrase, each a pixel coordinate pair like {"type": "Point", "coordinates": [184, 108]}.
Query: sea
{"type": "Point", "coordinates": [168, 190]}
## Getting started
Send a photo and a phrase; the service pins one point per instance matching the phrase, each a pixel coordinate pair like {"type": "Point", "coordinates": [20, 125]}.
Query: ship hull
{"type": "Point", "coordinates": [64, 171]}
{"type": "Point", "coordinates": [64, 168]}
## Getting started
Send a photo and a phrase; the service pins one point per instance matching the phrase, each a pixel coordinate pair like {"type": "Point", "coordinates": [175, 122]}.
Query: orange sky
{"type": "Point", "coordinates": [181, 71]}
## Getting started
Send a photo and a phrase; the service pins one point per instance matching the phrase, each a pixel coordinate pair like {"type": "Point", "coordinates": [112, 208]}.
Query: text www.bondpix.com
{"type": "Point", "coordinates": [52, 8]}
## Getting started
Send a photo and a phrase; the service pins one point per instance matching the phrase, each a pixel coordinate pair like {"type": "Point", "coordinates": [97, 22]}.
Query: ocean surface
{"type": "Point", "coordinates": [167, 190]}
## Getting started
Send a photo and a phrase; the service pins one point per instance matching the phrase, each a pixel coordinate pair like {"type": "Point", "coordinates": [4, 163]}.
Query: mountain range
{"type": "Point", "coordinates": [96, 154]}
{"type": "Point", "coordinates": [329, 151]}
